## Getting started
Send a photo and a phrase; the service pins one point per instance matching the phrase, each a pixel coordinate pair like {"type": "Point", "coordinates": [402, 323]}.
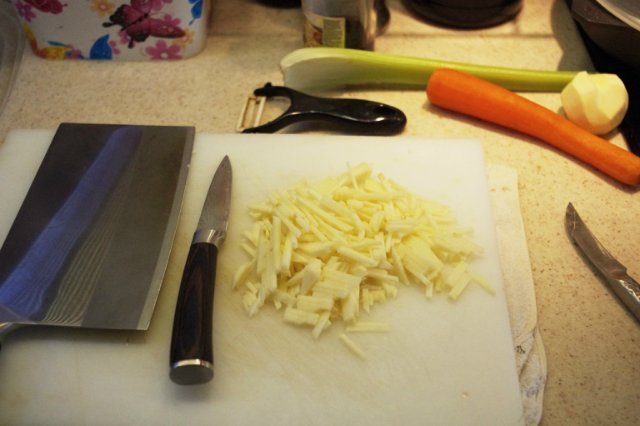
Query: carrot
{"type": "Point", "coordinates": [463, 93]}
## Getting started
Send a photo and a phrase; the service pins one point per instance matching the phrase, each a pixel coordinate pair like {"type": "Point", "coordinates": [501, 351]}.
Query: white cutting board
{"type": "Point", "coordinates": [442, 363]}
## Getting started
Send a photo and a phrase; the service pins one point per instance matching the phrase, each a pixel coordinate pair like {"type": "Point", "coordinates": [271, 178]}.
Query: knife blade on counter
{"type": "Point", "coordinates": [191, 353]}
{"type": "Point", "coordinates": [625, 287]}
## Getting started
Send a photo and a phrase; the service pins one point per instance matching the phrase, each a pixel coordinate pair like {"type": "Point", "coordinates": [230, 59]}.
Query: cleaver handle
{"type": "Point", "coordinates": [191, 355]}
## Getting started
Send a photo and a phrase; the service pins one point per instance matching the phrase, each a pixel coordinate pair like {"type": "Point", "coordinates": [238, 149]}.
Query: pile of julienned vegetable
{"type": "Point", "coordinates": [593, 103]}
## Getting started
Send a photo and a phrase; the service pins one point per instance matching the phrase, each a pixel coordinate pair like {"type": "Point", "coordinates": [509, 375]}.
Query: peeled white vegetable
{"type": "Point", "coordinates": [330, 250]}
{"type": "Point", "coordinates": [595, 102]}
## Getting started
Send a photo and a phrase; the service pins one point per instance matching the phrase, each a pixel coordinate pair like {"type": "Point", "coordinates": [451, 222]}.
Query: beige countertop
{"type": "Point", "coordinates": [592, 343]}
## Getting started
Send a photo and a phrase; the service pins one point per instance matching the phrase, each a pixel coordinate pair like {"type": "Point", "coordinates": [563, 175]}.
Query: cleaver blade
{"type": "Point", "coordinates": [91, 240]}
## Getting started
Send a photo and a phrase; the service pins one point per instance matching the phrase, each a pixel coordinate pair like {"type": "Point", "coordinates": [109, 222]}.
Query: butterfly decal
{"type": "Point", "coordinates": [136, 21]}
{"type": "Point", "coordinates": [47, 6]}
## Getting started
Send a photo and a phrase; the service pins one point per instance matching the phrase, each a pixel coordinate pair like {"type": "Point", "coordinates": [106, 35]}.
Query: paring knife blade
{"type": "Point", "coordinates": [191, 357]}
{"type": "Point", "coordinates": [626, 288]}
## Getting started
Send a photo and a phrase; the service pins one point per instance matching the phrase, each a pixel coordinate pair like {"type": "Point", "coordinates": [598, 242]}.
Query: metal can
{"type": "Point", "coordinates": [339, 23]}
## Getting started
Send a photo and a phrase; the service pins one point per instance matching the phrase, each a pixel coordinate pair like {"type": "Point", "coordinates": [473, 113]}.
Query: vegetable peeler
{"type": "Point", "coordinates": [350, 115]}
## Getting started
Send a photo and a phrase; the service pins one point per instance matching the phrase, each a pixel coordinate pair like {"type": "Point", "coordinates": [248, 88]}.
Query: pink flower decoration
{"type": "Point", "coordinates": [114, 47]}
{"type": "Point", "coordinates": [163, 51]}
{"type": "Point", "coordinates": [156, 5]}
{"type": "Point", "coordinates": [124, 37]}
{"type": "Point", "coordinates": [171, 20]}
{"type": "Point", "coordinates": [25, 11]}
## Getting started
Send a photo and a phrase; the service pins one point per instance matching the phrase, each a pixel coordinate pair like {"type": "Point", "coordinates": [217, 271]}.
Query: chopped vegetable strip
{"type": "Point", "coordinates": [353, 347]}
{"type": "Point", "coordinates": [368, 327]}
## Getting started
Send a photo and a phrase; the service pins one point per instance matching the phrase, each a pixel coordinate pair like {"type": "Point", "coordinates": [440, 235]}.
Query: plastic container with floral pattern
{"type": "Point", "coordinates": [111, 29]}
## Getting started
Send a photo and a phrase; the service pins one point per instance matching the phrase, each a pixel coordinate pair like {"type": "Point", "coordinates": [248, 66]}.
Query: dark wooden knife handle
{"type": "Point", "coordinates": [191, 358]}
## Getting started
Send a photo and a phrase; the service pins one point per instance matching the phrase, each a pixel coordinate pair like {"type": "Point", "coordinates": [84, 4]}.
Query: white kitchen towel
{"type": "Point", "coordinates": [521, 299]}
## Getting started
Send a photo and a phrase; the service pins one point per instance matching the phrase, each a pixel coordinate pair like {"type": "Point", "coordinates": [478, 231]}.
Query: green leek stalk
{"type": "Point", "coordinates": [320, 68]}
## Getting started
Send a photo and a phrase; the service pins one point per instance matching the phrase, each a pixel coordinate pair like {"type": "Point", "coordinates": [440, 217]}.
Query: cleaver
{"type": "Point", "coordinates": [91, 240]}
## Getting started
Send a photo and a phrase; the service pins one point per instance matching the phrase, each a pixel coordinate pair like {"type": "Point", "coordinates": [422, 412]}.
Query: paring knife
{"type": "Point", "coordinates": [615, 273]}
{"type": "Point", "coordinates": [191, 358]}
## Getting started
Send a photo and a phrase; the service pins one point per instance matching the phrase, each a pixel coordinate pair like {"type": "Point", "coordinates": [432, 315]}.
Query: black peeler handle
{"type": "Point", "coordinates": [352, 115]}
